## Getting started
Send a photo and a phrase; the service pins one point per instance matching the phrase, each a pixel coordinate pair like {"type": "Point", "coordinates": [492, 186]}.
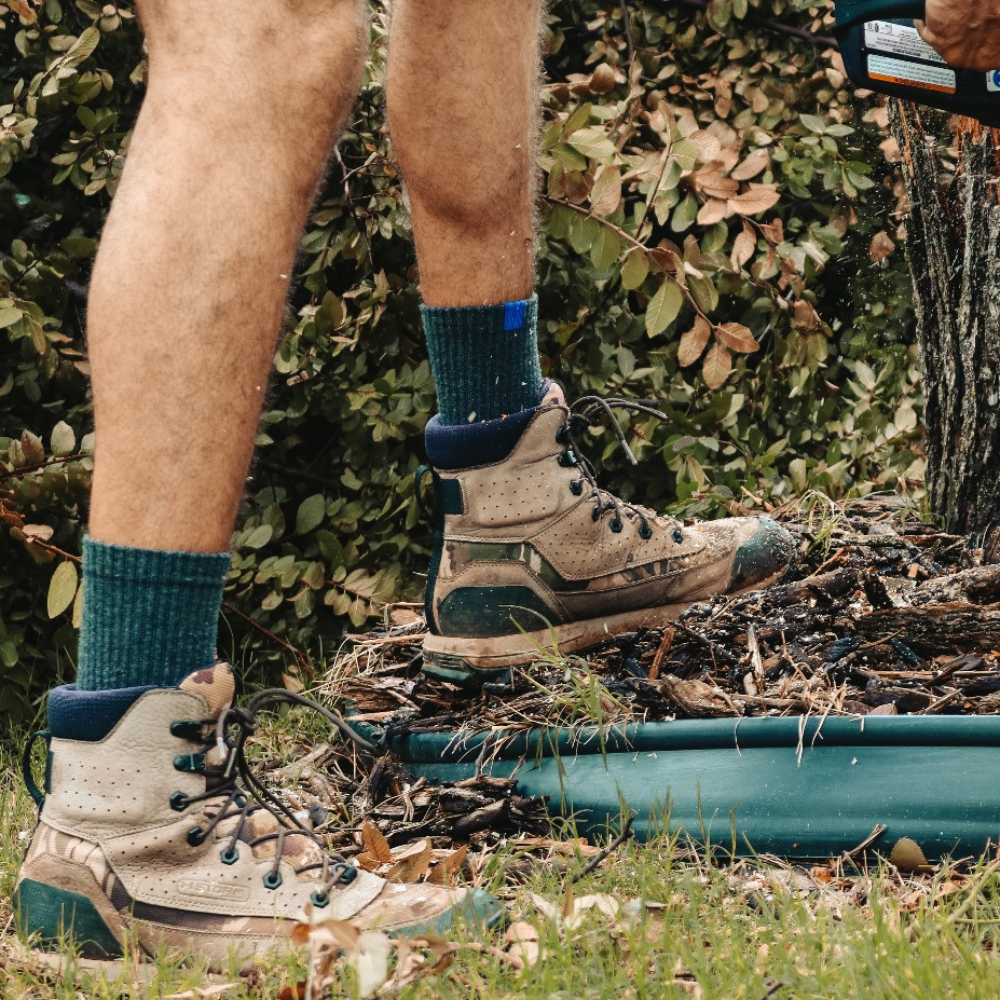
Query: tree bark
{"type": "Point", "coordinates": [952, 246]}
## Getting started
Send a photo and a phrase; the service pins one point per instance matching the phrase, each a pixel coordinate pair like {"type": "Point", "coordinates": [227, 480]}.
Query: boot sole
{"type": "Point", "coordinates": [473, 662]}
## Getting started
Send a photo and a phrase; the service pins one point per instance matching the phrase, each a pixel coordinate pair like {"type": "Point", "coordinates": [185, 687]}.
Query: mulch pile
{"type": "Point", "coordinates": [881, 613]}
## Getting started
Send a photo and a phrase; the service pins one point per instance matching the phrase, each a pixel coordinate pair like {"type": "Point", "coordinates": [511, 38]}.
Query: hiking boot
{"type": "Point", "coordinates": [145, 836]}
{"type": "Point", "coordinates": [530, 555]}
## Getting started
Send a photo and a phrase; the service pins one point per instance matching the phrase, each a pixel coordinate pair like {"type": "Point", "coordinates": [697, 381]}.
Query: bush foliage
{"type": "Point", "coordinates": [714, 201]}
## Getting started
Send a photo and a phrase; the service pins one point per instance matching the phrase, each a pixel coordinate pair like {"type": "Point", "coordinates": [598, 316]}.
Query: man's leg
{"type": "Point", "coordinates": [462, 95]}
{"type": "Point", "coordinates": [244, 102]}
{"type": "Point", "coordinates": [144, 829]}
{"type": "Point", "coordinates": [525, 538]}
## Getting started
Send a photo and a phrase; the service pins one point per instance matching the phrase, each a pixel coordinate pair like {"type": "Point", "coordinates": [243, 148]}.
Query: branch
{"type": "Point", "coordinates": [300, 656]}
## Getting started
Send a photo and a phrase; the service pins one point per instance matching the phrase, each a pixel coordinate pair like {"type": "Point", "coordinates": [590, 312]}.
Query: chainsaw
{"type": "Point", "coordinates": [883, 52]}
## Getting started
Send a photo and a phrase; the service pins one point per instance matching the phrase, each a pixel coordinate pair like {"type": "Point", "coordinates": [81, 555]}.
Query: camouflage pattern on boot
{"type": "Point", "coordinates": [532, 555]}
{"type": "Point", "coordinates": [142, 837]}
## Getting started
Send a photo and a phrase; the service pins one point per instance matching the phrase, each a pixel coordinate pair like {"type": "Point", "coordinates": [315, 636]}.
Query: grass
{"type": "Point", "coordinates": [685, 928]}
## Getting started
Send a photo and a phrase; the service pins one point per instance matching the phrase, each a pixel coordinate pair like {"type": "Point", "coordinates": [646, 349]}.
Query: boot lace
{"type": "Point", "coordinates": [591, 411]}
{"type": "Point", "coordinates": [236, 793]}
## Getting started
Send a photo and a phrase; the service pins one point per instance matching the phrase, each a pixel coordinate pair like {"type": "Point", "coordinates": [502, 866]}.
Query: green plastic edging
{"type": "Point", "coordinates": [796, 788]}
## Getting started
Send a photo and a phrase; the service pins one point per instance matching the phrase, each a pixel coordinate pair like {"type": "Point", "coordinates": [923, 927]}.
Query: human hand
{"type": "Point", "coordinates": [965, 32]}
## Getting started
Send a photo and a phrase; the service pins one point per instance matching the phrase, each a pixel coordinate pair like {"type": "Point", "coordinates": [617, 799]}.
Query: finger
{"type": "Point", "coordinates": [923, 30]}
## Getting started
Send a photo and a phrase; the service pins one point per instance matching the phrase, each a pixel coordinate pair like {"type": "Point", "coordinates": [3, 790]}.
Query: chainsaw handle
{"type": "Point", "coordinates": [852, 12]}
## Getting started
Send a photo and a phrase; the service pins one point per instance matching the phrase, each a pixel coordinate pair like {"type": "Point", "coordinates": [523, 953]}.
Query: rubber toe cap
{"type": "Point", "coordinates": [476, 909]}
{"type": "Point", "coordinates": [764, 555]}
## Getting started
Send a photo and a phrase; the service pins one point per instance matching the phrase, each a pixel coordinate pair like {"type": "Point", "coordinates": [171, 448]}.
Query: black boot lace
{"type": "Point", "coordinates": [590, 411]}
{"type": "Point", "coordinates": [235, 792]}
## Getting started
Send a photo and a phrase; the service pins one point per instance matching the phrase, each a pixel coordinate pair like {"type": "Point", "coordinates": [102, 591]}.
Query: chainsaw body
{"type": "Point", "coordinates": [883, 52]}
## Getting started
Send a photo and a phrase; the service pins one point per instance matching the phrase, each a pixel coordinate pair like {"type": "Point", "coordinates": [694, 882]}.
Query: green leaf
{"type": "Point", "coordinates": [62, 588]}
{"type": "Point", "coordinates": [634, 270]}
{"type": "Point", "coordinates": [584, 232]}
{"type": "Point", "coordinates": [9, 315]}
{"type": "Point", "coordinates": [310, 514]}
{"type": "Point", "coordinates": [813, 123]}
{"type": "Point", "coordinates": [82, 48]}
{"type": "Point", "coordinates": [605, 249]}
{"type": "Point", "coordinates": [664, 308]}
{"type": "Point", "coordinates": [78, 607]}
{"type": "Point", "coordinates": [79, 246]}
{"type": "Point", "coordinates": [593, 143]}
{"type": "Point", "coordinates": [259, 537]}
{"type": "Point", "coordinates": [63, 439]}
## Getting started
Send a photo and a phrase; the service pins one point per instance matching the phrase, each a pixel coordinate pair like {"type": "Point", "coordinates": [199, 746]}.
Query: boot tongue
{"type": "Point", "coordinates": [215, 684]}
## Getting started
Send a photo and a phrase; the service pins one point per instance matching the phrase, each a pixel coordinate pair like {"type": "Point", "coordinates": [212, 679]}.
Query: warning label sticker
{"type": "Point", "coordinates": [899, 40]}
{"type": "Point", "coordinates": [912, 74]}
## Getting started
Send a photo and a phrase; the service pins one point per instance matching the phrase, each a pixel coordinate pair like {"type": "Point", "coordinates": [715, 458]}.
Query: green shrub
{"type": "Point", "coordinates": [707, 215]}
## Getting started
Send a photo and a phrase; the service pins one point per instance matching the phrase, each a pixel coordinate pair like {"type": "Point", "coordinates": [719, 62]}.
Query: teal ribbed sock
{"type": "Point", "coordinates": [149, 616]}
{"type": "Point", "coordinates": [484, 359]}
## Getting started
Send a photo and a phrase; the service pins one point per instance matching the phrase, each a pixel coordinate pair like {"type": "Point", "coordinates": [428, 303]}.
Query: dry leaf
{"type": "Point", "coordinates": [694, 342]}
{"type": "Point", "coordinates": [737, 337]}
{"type": "Point", "coordinates": [756, 163]}
{"type": "Point", "coordinates": [522, 944]}
{"type": "Point", "coordinates": [756, 199]}
{"type": "Point", "coordinates": [713, 211]}
{"type": "Point", "coordinates": [375, 844]}
{"type": "Point", "coordinates": [882, 246]}
{"type": "Point", "coordinates": [607, 191]}
{"type": "Point", "coordinates": [696, 697]}
{"type": "Point", "coordinates": [602, 80]}
{"type": "Point", "coordinates": [708, 145]}
{"type": "Point", "coordinates": [717, 366]}
{"type": "Point", "coordinates": [411, 863]}
{"type": "Point", "coordinates": [743, 246]}
{"type": "Point", "coordinates": [445, 871]}
{"type": "Point", "coordinates": [203, 991]}
{"type": "Point", "coordinates": [907, 856]}
{"type": "Point", "coordinates": [579, 909]}
{"type": "Point", "coordinates": [774, 232]}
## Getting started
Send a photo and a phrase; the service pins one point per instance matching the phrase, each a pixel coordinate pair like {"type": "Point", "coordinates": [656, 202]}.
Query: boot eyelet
{"type": "Point", "coordinates": [320, 899]}
{"type": "Point", "coordinates": [195, 837]}
{"type": "Point", "coordinates": [229, 856]}
{"type": "Point", "coordinates": [595, 513]}
{"type": "Point", "coordinates": [272, 880]}
{"type": "Point", "coordinates": [347, 875]}
{"type": "Point", "coordinates": [645, 532]}
{"type": "Point", "coordinates": [615, 525]}
{"type": "Point", "coordinates": [561, 435]}
{"type": "Point", "coordinates": [178, 802]}
{"type": "Point", "coordinates": [186, 730]}
{"type": "Point", "coordinates": [575, 488]}
{"type": "Point", "coordinates": [678, 536]}
{"type": "Point", "coordinates": [192, 763]}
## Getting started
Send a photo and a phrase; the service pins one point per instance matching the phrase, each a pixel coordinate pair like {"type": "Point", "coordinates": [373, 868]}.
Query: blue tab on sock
{"type": "Point", "coordinates": [513, 315]}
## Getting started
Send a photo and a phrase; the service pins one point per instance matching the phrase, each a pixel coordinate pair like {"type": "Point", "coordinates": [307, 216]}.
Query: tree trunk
{"type": "Point", "coordinates": [953, 246]}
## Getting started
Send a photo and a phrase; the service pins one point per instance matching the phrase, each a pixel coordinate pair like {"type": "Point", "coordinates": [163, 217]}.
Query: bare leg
{"type": "Point", "coordinates": [463, 106]}
{"type": "Point", "coordinates": [245, 99]}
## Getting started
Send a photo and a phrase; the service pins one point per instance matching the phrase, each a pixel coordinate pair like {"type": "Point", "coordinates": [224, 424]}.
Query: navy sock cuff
{"type": "Point", "coordinates": [463, 446]}
{"type": "Point", "coordinates": [88, 715]}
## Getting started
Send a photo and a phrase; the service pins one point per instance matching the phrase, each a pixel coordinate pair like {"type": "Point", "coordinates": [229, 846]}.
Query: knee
{"type": "Point", "coordinates": [279, 44]}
